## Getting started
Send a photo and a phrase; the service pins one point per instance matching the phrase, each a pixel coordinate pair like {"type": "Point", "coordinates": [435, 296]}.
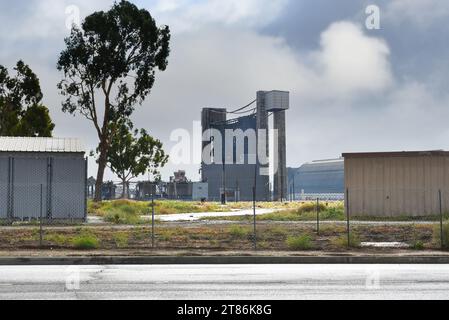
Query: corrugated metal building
{"type": "Point", "coordinates": [57, 166]}
{"type": "Point", "coordinates": [318, 177]}
{"type": "Point", "coordinates": [397, 183]}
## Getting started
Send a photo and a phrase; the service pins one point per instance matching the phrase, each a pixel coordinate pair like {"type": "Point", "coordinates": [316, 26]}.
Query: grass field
{"type": "Point", "coordinates": [270, 236]}
{"type": "Point", "coordinates": [130, 207]}
{"type": "Point", "coordinates": [306, 211]}
{"type": "Point", "coordinates": [130, 212]}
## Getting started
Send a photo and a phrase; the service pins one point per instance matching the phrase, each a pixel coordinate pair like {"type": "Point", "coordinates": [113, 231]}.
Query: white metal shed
{"type": "Point", "coordinates": [47, 173]}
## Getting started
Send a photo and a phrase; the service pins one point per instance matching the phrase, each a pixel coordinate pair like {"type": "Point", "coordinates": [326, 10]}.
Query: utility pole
{"type": "Point", "coordinates": [223, 159]}
{"type": "Point", "coordinates": [152, 218]}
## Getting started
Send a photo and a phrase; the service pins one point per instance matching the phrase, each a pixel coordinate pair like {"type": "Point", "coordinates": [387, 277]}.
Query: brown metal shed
{"type": "Point", "coordinates": [397, 183]}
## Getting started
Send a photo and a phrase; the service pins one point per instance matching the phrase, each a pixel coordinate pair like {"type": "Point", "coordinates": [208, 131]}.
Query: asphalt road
{"type": "Point", "coordinates": [226, 282]}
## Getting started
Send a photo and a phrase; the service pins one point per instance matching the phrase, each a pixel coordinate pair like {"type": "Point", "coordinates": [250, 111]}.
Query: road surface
{"type": "Point", "coordinates": [226, 282]}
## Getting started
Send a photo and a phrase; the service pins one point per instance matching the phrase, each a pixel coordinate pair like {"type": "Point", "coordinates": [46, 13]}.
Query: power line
{"type": "Point", "coordinates": [248, 105]}
{"type": "Point", "coordinates": [238, 111]}
{"type": "Point", "coordinates": [244, 112]}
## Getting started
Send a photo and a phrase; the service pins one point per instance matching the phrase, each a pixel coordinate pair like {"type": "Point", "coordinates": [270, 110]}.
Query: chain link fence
{"type": "Point", "coordinates": [55, 203]}
{"type": "Point", "coordinates": [397, 217]}
{"type": "Point", "coordinates": [52, 215]}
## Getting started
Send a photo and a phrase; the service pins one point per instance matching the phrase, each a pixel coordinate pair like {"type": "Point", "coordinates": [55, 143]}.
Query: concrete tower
{"type": "Point", "coordinates": [280, 177]}
{"type": "Point", "coordinates": [278, 102]}
{"type": "Point", "coordinates": [262, 124]}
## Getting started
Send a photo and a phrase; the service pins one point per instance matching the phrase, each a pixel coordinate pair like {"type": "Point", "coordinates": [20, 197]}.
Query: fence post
{"type": "Point", "coordinates": [441, 219]}
{"type": "Point", "coordinates": [152, 220]}
{"type": "Point", "coordinates": [318, 216]}
{"type": "Point", "coordinates": [255, 218]}
{"type": "Point", "coordinates": [348, 217]}
{"type": "Point", "coordinates": [40, 219]}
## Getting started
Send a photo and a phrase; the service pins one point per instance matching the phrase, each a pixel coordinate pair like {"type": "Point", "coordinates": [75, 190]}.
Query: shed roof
{"type": "Point", "coordinates": [396, 154]}
{"type": "Point", "coordinates": [31, 144]}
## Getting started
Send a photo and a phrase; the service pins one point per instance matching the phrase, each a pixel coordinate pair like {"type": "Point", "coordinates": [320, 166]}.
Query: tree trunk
{"type": "Point", "coordinates": [102, 162]}
{"type": "Point", "coordinates": [125, 190]}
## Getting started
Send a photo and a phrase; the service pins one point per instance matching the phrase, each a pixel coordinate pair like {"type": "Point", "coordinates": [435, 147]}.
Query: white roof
{"type": "Point", "coordinates": [327, 161]}
{"type": "Point", "coordinates": [22, 144]}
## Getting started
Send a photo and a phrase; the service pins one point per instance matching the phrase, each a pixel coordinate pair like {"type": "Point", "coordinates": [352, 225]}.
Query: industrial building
{"type": "Point", "coordinates": [397, 183]}
{"type": "Point", "coordinates": [108, 189]}
{"type": "Point", "coordinates": [320, 177]}
{"type": "Point", "coordinates": [45, 173]}
{"type": "Point", "coordinates": [233, 176]}
{"type": "Point", "coordinates": [179, 188]}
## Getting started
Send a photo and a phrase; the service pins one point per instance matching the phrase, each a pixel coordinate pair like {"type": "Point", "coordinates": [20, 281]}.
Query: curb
{"type": "Point", "coordinates": [227, 260]}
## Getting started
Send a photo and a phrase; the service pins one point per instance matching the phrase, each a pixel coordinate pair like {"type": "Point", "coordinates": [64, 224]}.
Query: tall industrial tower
{"type": "Point", "coordinates": [235, 181]}
{"type": "Point", "coordinates": [276, 103]}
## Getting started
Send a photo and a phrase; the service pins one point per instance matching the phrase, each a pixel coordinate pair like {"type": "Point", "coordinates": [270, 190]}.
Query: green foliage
{"type": "Point", "coordinates": [57, 239]}
{"type": "Point", "coordinates": [112, 58]}
{"type": "Point", "coordinates": [307, 212]}
{"type": "Point", "coordinates": [21, 113]}
{"type": "Point", "coordinates": [418, 245]}
{"type": "Point", "coordinates": [131, 155]}
{"type": "Point", "coordinates": [35, 122]}
{"type": "Point", "coordinates": [161, 207]}
{"type": "Point", "coordinates": [303, 242]}
{"type": "Point", "coordinates": [437, 235]}
{"type": "Point", "coordinates": [124, 206]}
{"type": "Point", "coordinates": [309, 207]}
{"type": "Point", "coordinates": [86, 241]}
{"type": "Point", "coordinates": [278, 231]}
{"type": "Point", "coordinates": [121, 217]}
{"type": "Point", "coordinates": [239, 232]}
{"type": "Point", "coordinates": [174, 207]}
{"type": "Point", "coordinates": [121, 240]}
{"type": "Point", "coordinates": [342, 241]}
{"type": "Point", "coordinates": [122, 211]}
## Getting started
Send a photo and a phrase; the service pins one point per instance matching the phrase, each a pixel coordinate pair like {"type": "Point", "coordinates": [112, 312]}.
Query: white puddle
{"type": "Point", "coordinates": [199, 216]}
{"type": "Point", "coordinates": [384, 245]}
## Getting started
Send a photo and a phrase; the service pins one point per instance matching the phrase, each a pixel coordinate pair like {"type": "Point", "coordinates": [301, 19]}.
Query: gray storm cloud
{"type": "Point", "coordinates": [352, 89]}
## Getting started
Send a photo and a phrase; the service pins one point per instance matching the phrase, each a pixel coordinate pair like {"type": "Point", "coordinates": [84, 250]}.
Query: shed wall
{"type": "Point", "coordinates": [63, 180]}
{"type": "Point", "coordinates": [397, 186]}
{"type": "Point", "coordinates": [4, 178]}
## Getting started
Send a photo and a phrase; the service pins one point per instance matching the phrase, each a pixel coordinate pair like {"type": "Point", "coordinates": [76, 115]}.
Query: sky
{"type": "Point", "coordinates": [353, 89]}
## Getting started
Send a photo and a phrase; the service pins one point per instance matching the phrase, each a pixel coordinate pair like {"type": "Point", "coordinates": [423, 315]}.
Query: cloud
{"type": "Point", "coordinates": [43, 19]}
{"type": "Point", "coordinates": [220, 67]}
{"type": "Point", "coordinates": [351, 62]}
{"type": "Point", "coordinates": [183, 15]}
{"type": "Point", "coordinates": [351, 89]}
{"type": "Point", "coordinates": [419, 13]}
{"type": "Point", "coordinates": [224, 67]}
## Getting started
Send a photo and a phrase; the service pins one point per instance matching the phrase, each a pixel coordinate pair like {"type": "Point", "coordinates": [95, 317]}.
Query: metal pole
{"type": "Point", "coordinates": [294, 190]}
{"type": "Point", "coordinates": [318, 216]}
{"type": "Point", "coordinates": [441, 219]}
{"type": "Point", "coordinates": [152, 219]}
{"type": "Point", "coordinates": [348, 217]}
{"type": "Point", "coordinates": [255, 218]}
{"type": "Point", "coordinates": [223, 158]}
{"type": "Point", "coordinates": [40, 219]}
